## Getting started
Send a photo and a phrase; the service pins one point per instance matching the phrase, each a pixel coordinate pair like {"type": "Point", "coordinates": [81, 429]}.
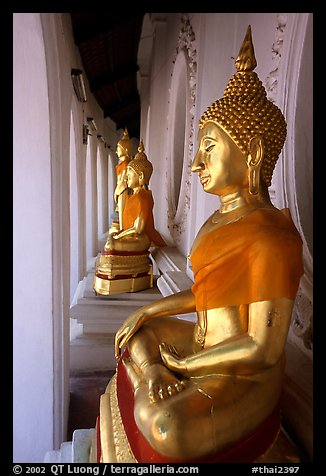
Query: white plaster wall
{"type": "Point", "coordinates": [33, 403]}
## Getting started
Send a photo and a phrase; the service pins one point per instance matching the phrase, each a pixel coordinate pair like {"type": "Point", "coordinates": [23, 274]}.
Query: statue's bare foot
{"type": "Point", "coordinates": [161, 382]}
{"type": "Point", "coordinates": [133, 372]}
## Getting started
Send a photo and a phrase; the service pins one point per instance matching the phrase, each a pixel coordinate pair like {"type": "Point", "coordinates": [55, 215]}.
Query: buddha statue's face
{"type": "Point", "coordinates": [219, 162]}
{"type": "Point", "coordinates": [132, 178]}
{"type": "Point", "coordinates": [119, 150]}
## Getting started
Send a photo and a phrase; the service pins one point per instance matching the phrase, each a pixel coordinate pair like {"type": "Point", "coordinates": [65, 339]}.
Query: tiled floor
{"type": "Point", "coordinates": [85, 390]}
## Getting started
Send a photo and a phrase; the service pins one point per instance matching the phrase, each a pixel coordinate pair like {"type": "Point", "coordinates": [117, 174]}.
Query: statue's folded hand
{"type": "Point", "coordinates": [126, 331]}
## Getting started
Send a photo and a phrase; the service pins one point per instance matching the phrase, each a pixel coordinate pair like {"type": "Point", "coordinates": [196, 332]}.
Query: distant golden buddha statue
{"type": "Point", "coordinates": [209, 391]}
{"type": "Point", "coordinates": [124, 148]}
{"type": "Point", "coordinates": [124, 265]}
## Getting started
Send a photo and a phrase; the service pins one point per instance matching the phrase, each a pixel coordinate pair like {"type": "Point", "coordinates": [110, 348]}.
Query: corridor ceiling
{"type": "Point", "coordinates": [108, 46]}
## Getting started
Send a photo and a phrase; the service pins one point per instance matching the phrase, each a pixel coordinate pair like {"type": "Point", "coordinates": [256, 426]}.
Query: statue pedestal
{"type": "Point", "coordinates": [120, 272]}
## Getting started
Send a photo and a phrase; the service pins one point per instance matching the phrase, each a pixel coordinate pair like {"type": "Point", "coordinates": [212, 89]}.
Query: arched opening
{"type": "Point", "coordinates": [148, 118]}
{"type": "Point", "coordinates": [112, 182]}
{"type": "Point", "coordinates": [303, 141]}
{"type": "Point", "coordinates": [88, 199]}
{"type": "Point", "coordinates": [180, 140]}
{"type": "Point", "coordinates": [99, 173]}
{"type": "Point", "coordinates": [179, 114]}
{"type": "Point", "coordinates": [74, 278]}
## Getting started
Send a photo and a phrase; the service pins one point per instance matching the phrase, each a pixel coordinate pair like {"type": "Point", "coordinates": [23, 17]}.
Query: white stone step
{"type": "Point", "coordinates": [106, 313]}
{"type": "Point", "coordinates": [66, 452]}
{"type": "Point", "coordinates": [92, 351]}
{"type": "Point", "coordinates": [81, 444]}
{"type": "Point", "coordinates": [75, 451]}
{"type": "Point", "coordinates": [52, 457]}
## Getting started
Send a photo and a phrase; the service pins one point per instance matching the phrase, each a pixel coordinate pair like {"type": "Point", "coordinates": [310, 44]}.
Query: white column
{"type": "Point", "coordinates": [33, 333]}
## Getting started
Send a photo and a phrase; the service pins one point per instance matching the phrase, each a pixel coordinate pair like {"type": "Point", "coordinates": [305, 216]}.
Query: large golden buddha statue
{"type": "Point", "coordinates": [209, 391]}
{"type": "Point", "coordinates": [124, 264]}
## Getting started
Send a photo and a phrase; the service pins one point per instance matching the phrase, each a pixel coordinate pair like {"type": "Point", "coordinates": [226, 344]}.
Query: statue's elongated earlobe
{"type": "Point", "coordinates": [254, 162]}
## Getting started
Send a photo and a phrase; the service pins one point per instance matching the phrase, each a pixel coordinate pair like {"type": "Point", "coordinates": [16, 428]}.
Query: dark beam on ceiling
{"type": "Point", "coordinates": [100, 23]}
{"type": "Point", "coordinates": [110, 78]}
{"type": "Point", "coordinates": [134, 119]}
{"type": "Point", "coordinates": [127, 101]}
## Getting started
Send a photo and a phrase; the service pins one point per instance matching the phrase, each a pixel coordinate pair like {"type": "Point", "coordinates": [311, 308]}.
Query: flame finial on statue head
{"type": "Point", "coordinates": [246, 60]}
{"type": "Point", "coordinates": [140, 151]}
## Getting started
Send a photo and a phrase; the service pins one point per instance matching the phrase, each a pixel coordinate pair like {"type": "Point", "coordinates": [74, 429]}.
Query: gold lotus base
{"type": "Point", "coordinates": [107, 287]}
{"type": "Point", "coordinates": [111, 266]}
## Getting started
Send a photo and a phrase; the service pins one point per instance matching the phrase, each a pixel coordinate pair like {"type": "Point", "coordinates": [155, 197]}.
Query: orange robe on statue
{"type": "Point", "coordinates": [141, 204]}
{"type": "Point", "coordinates": [256, 258]}
{"type": "Point", "coordinates": [119, 168]}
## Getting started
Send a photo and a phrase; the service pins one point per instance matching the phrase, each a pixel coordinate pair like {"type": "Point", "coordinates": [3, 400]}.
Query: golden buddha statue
{"type": "Point", "coordinates": [209, 391]}
{"type": "Point", "coordinates": [124, 264]}
{"type": "Point", "coordinates": [124, 148]}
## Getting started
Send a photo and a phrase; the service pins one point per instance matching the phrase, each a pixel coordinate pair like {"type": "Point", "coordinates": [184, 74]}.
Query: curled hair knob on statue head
{"type": "Point", "coordinates": [141, 165]}
{"type": "Point", "coordinates": [244, 112]}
